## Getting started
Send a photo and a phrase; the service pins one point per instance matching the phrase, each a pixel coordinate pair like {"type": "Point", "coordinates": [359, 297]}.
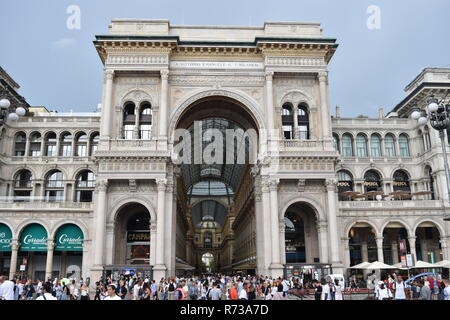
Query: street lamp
{"type": "Point", "coordinates": [438, 113]}
{"type": "Point", "coordinates": [11, 116]}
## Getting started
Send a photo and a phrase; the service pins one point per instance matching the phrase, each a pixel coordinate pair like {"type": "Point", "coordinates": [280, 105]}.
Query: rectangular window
{"type": "Point", "coordinates": [66, 151]}
{"type": "Point", "coordinates": [287, 132]}
{"type": "Point", "coordinates": [146, 131]}
{"type": "Point", "coordinates": [51, 151]}
{"type": "Point", "coordinates": [84, 196]}
{"type": "Point", "coordinates": [128, 131]}
{"type": "Point", "coordinates": [81, 151]}
{"type": "Point", "coordinates": [54, 195]}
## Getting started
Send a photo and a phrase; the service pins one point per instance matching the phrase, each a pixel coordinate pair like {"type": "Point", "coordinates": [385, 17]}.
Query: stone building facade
{"type": "Point", "coordinates": [105, 191]}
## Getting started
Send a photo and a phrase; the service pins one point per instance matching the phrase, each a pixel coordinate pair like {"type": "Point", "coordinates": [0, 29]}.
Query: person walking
{"type": "Point", "coordinates": [399, 289]}
{"type": "Point", "coordinates": [382, 292]}
{"type": "Point", "coordinates": [111, 290]}
{"type": "Point", "coordinates": [243, 292]}
{"type": "Point", "coordinates": [6, 289]}
{"type": "Point", "coordinates": [84, 295]}
{"type": "Point", "coordinates": [338, 290]}
{"type": "Point", "coordinates": [47, 289]}
{"type": "Point", "coordinates": [215, 293]}
{"type": "Point", "coordinates": [28, 291]}
{"type": "Point", "coordinates": [425, 291]}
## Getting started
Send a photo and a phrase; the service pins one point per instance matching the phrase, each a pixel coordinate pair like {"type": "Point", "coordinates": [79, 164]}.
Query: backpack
{"type": "Point", "coordinates": [180, 294]}
{"type": "Point", "coordinates": [171, 287]}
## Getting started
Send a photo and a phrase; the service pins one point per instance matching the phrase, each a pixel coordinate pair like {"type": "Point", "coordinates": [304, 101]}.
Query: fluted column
{"type": "Point", "coordinates": [275, 226]}
{"type": "Point", "coordinates": [49, 262]}
{"type": "Point", "coordinates": [265, 197]}
{"type": "Point", "coordinates": [161, 186]}
{"type": "Point", "coordinates": [259, 220]}
{"type": "Point", "coordinates": [13, 263]}
{"type": "Point", "coordinates": [380, 249]}
{"type": "Point", "coordinates": [323, 84]}
{"type": "Point", "coordinates": [107, 107]}
{"type": "Point", "coordinates": [163, 105]}
{"type": "Point", "coordinates": [27, 146]}
{"type": "Point", "coordinates": [137, 115]}
{"type": "Point", "coordinates": [296, 136]}
{"type": "Point", "coordinates": [412, 246]}
{"type": "Point", "coordinates": [332, 221]}
{"type": "Point", "coordinates": [322, 230]}
{"type": "Point", "coordinates": [347, 259]}
{"type": "Point", "coordinates": [269, 104]}
{"type": "Point", "coordinates": [153, 243]}
{"type": "Point", "coordinates": [444, 246]}
{"type": "Point", "coordinates": [100, 221]}
{"type": "Point", "coordinates": [394, 251]}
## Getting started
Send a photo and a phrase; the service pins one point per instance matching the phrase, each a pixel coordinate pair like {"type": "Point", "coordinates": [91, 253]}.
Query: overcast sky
{"type": "Point", "coordinates": [60, 69]}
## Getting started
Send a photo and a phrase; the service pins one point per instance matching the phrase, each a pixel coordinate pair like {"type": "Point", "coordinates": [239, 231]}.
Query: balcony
{"type": "Point", "coordinates": [40, 205]}
{"type": "Point", "coordinates": [133, 145]}
{"type": "Point", "coordinates": [406, 204]}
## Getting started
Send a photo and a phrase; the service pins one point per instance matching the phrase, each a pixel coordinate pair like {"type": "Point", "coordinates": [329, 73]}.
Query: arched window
{"type": "Point", "coordinates": [95, 137]}
{"type": "Point", "coordinates": [403, 145]}
{"type": "Point", "coordinates": [401, 181]}
{"type": "Point", "coordinates": [431, 182]}
{"type": "Point", "coordinates": [426, 135]}
{"type": "Point", "coordinates": [336, 143]}
{"type": "Point", "coordinates": [65, 144]}
{"type": "Point", "coordinates": [361, 146]}
{"type": "Point", "coordinates": [294, 238]}
{"type": "Point", "coordinates": [81, 145]}
{"type": "Point", "coordinates": [35, 144]}
{"type": "Point", "coordinates": [50, 144]}
{"type": "Point", "coordinates": [287, 120]}
{"type": "Point", "coordinates": [85, 184]}
{"type": "Point", "coordinates": [23, 186]}
{"type": "Point", "coordinates": [20, 143]}
{"type": "Point", "coordinates": [345, 183]}
{"type": "Point", "coordinates": [375, 145]}
{"type": "Point", "coordinates": [129, 120]}
{"type": "Point", "coordinates": [372, 181]}
{"type": "Point", "coordinates": [207, 239]}
{"type": "Point", "coordinates": [145, 121]}
{"type": "Point", "coordinates": [54, 186]}
{"type": "Point", "coordinates": [389, 145]}
{"type": "Point", "coordinates": [347, 145]}
{"type": "Point", "coordinates": [303, 122]}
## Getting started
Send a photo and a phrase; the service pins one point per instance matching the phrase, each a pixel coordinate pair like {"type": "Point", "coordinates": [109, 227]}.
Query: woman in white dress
{"type": "Point", "coordinates": [338, 294]}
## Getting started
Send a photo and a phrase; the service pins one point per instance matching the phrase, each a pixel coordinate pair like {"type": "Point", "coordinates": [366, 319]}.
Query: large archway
{"type": "Point", "coordinates": [215, 144]}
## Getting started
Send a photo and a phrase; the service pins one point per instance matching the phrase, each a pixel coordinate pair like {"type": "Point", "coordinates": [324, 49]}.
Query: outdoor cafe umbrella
{"type": "Point", "coordinates": [349, 194]}
{"type": "Point", "coordinates": [399, 266]}
{"type": "Point", "coordinates": [400, 194]}
{"type": "Point", "coordinates": [423, 265]}
{"type": "Point", "coordinates": [443, 264]}
{"type": "Point", "coordinates": [377, 265]}
{"type": "Point", "coordinates": [373, 194]}
{"type": "Point", "coordinates": [360, 266]}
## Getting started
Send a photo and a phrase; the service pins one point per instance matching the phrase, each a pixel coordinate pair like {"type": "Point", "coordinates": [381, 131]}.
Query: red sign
{"type": "Point", "coordinates": [402, 245]}
{"type": "Point", "coordinates": [404, 263]}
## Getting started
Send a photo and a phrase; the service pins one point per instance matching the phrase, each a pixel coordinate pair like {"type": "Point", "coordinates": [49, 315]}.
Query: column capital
{"type": "Point", "coordinates": [323, 76]}
{"type": "Point", "coordinates": [164, 74]}
{"type": "Point", "coordinates": [109, 74]}
{"type": "Point", "coordinates": [161, 184]}
{"type": "Point", "coordinates": [101, 185]}
{"type": "Point", "coordinates": [273, 184]}
{"type": "Point", "coordinates": [50, 244]}
{"type": "Point", "coordinates": [331, 184]}
{"type": "Point", "coordinates": [269, 75]}
{"type": "Point", "coordinates": [322, 226]}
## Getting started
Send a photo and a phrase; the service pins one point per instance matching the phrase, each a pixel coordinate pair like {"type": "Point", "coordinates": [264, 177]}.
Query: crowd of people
{"type": "Point", "coordinates": [220, 287]}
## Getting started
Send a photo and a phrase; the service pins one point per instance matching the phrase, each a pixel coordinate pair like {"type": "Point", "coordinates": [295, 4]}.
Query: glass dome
{"type": "Point", "coordinates": [208, 223]}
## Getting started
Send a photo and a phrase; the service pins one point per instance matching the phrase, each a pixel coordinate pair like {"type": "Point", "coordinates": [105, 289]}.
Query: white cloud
{"type": "Point", "coordinates": [64, 43]}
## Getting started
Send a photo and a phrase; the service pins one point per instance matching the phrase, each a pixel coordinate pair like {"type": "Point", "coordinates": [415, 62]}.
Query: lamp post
{"type": "Point", "coordinates": [5, 113]}
{"type": "Point", "coordinates": [438, 113]}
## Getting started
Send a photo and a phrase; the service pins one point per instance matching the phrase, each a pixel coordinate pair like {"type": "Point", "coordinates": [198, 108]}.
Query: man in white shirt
{"type": "Point", "coordinates": [47, 294]}
{"type": "Point", "coordinates": [243, 293]}
{"type": "Point", "coordinates": [112, 293]}
{"type": "Point", "coordinates": [6, 289]}
{"type": "Point", "coordinates": [399, 288]}
{"type": "Point", "coordinates": [286, 286]}
{"type": "Point", "coordinates": [137, 287]}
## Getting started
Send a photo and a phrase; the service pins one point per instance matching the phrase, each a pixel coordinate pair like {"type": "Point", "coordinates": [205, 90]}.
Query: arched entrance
{"type": "Point", "coordinates": [68, 251]}
{"type": "Point", "coordinates": [395, 242]}
{"type": "Point", "coordinates": [132, 241]}
{"type": "Point", "coordinates": [215, 144]}
{"type": "Point", "coordinates": [428, 246]}
{"type": "Point", "coordinates": [303, 255]}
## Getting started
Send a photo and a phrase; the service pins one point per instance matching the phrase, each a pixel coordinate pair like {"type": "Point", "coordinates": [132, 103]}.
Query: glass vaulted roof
{"type": "Point", "coordinates": [207, 211]}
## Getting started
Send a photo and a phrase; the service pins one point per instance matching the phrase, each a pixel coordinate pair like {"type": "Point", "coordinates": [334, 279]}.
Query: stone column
{"type": "Point", "coordinates": [444, 247]}
{"type": "Point", "coordinates": [296, 136]}
{"type": "Point", "coordinates": [412, 246]}
{"type": "Point", "coordinates": [137, 115]}
{"type": "Point", "coordinates": [153, 243]}
{"type": "Point", "coordinates": [424, 249]}
{"type": "Point", "coordinates": [160, 268]}
{"type": "Point", "coordinates": [332, 222]}
{"type": "Point", "coordinates": [163, 108]}
{"type": "Point", "coordinates": [380, 249]}
{"type": "Point", "coordinates": [323, 84]}
{"type": "Point", "coordinates": [276, 267]}
{"type": "Point", "coordinates": [322, 230]}
{"type": "Point", "coordinates": [100, 221]}
{"type": "Point", "coordinates": [282, 242]}
{"type": "Point", "coordinates": [27, 146]}
{"type": "Point", "coordinates": [259, 220]}
{"type": "Point", "coordinates": [347, 259]}
{"type": "Point", "coordinates": [13, 263]}
{"type": "Point", "coordinates": [364, 251]}
{"type": "Point", "coordinates": [269, 105]}
{"type": "Point", "coordinates": [43, 146]}
{"type": "Point", "coordinates": [394, 251]}
{"type": "Point", "coordinates": [49, 263]}
{"type": "Point", "coordinates": [107, 107]}
{"type": "Point", "coordinates": [265, 197]}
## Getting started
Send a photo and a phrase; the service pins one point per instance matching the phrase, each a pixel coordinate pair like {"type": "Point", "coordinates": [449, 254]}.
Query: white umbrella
{"type": "Point", "coordinates": [360, 266]}
{"type": "Point", "coordinates": [443, 264]}
{"type": "Point", "coordinates": [399, 266]}
{"type": "Point", "coordinates": [379, 265]}
{"type": "Point", "coordinates": [423, 265]}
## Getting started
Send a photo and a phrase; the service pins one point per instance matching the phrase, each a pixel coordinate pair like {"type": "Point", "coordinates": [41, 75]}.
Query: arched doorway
{"type": "Point", "coordinates": [215, 143]}
{"type": "Point", "coordinates": [428, 246]}
{"type": "Point", "coordinates": [395, 242]}
{"type": "Point", "coordinates": [362, 244]}
{"type": "Point", "coordinates": [33, 244]}
{"type": "Point", "coordinates": [304, 254]}
{"type": "Point", "coordinates": [132, 244]}
{"type": "Point", "coordinates": [68, 252]}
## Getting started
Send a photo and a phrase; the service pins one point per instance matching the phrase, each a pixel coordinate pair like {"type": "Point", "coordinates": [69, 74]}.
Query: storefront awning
{"type": "Point", "coordinates": [69, 237]}
{"type": "Point", "coordinates": [5, 238]}
{"type": "Point", "coordinates": [33, 238]}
